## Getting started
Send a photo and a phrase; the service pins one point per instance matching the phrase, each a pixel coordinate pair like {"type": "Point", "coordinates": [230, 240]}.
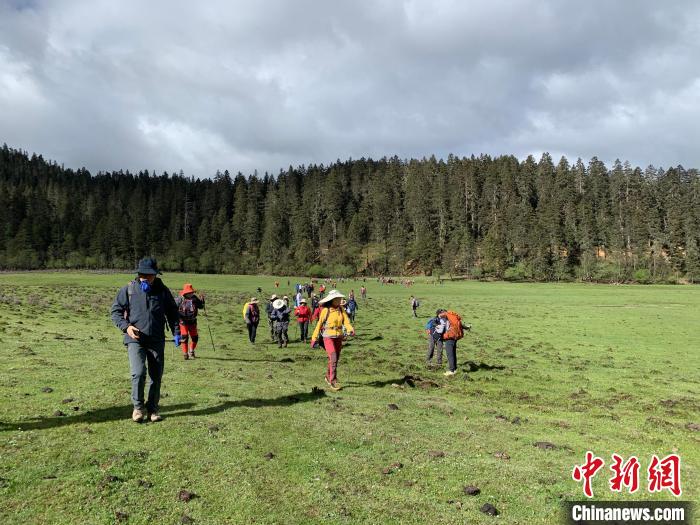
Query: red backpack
{"type": "Point", "coordinates": [188, 310]}
{"type": "Point", "coordinates": [455, 331]}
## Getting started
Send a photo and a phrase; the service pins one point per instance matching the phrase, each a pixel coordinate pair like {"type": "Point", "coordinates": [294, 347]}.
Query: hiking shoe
{"type": "Point", "coordinates": [192, 356]}
{"type": "Point", "coordinates": [335, 386]}
{"type": "Point", "coordinates": [186, 356]}
{"type": "Point", "coordinates": [137, 415]}
{"type": "Point", "coordinates": [155, 417]}
{"type": "Point", "coordinates": [449, 373]}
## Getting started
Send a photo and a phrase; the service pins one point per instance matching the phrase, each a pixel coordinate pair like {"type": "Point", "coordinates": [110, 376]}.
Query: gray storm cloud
{"type": "Point", "coordinates": [169, 85]}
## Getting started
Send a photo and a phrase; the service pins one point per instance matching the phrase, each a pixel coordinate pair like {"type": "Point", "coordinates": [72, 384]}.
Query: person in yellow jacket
{"type": "Point", "coordinates": [331, 322]}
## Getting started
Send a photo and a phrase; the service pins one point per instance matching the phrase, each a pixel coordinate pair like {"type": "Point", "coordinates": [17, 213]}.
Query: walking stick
{"type": "Point", "coordinates": [209, 327]}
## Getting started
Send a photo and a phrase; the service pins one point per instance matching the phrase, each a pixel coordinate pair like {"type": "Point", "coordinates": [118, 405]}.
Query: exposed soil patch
{"type": "Point", "coordinates": [392, 468]}
{"type": "Point", "coordinates": [186, 495]}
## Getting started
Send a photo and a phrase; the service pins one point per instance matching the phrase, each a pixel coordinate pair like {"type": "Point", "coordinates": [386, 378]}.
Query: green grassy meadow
{"type": "Point", "coordinates": [584, 367]}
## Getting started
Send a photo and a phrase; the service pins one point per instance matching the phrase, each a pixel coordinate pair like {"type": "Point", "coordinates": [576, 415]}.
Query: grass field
{"type": "Point", "coordinates": [584, 367]}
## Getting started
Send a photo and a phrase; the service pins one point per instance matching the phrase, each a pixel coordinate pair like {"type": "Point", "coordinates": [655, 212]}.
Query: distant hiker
{"type": "Point", "coordinates": [414, 305]}
{"type": "Point", "coordinates": [363, 292]}
{"type": "Point", "coordinates": [321, 290]}
{"type": "Point", "coordinates": [298, 298]}
{"type": "Point", "coordinates": [270, 321]}
{"type": "Point", "coordinates": [314, 302]}
{"type": "Point", "coordinates": [454, 331]}
{"type": "Point", "coordinates": [351, 309]}
{"type": "Point", "coordinates": [277, 284]}
{"type": "Point", "coordinates": [141, 310]}
{"type": "Point", "coordinates": [316, 312]}
{"type": "Point", "coordinates": [351, 295]}
{"type": "Point", "coordinates": [435, 327]}
{"type": "Point", "coordinates": [310, 289]}
{"type": "Point", "coordinates": [252, 318]}
{"type": "Point", "coordinates": [188, 305]}
{"type": "Point", "coordinates": [280, 315]}
{"type": "Point", "coordinates": [331, 323]}
{"type": "Point", "coordinates": [303, 315]}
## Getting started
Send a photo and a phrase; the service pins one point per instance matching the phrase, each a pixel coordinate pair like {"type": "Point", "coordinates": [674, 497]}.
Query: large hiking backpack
{"type": "Point", "coordinates": [455, 331]}
{"type": "Point", "coordinates": [188, 310]}
{"type": "Point", "coordinates": [245, 309]}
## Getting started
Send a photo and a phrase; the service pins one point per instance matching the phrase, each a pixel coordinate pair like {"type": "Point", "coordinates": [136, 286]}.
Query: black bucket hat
{"type": "Point", "coordinates": [148, 266]}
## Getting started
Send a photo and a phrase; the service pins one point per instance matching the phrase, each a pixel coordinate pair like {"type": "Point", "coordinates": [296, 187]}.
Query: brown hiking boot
{"type": "Point", "coordinates": [192, 356]}
{"type": "Point", "coordinates": [137, 415]}
{"type": "Point", "coordinates": [155, 417]}
{"type": "Point", "coordinates": [186, 356]}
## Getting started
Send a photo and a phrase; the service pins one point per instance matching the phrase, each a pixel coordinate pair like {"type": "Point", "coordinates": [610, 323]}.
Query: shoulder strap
{"type": "Point", "coordinates": [323, 324]}
{"type": "Point", "coordinates": [130, 291]}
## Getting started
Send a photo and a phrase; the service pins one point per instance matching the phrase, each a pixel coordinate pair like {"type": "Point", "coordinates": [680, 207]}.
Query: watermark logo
{"type": "Point", "coordinates": [662, 474]}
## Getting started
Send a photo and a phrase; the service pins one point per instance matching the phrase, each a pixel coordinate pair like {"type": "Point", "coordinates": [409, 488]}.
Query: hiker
{"type": "Point", "coordinates": [310, 289]}
{"type": "Point", "coordinates": [314, 302]}
{"type": "Point", "coordinates": [280, 315]}
{"type": "Point", "coordinates": [270, 321]}
{"type": "Point", "coordinates": [252, 318]}
{"type": "Point", "coordinates": [303, 315]}
{"type": "Point", "coordinates": [331, 323]}
{"type": "Point", "coordinates": [435, 327]}
{"type": "Point", "coordinates": [141, 310]}
{"type": "Point", "coordinates": [363, 293]}
{"type": "Point", "coordinates": [454, 331]}
{"type": "Point", "coordinates": [351, 295]}
{"type": "Point", "coordinates": [297, 299]}
{"type": "Point", "coordinates": [321, 290]}
{"type": "Point", "coordinates": [277, 284]}
{"type": "Point", "coordinates": [414, 306]}
{"type": "Point", "coordinates": [188, 305]}
{"type": "Point", "coordinates": [315, 311]}
{"type": "Point", "coordinates": [351, 309]}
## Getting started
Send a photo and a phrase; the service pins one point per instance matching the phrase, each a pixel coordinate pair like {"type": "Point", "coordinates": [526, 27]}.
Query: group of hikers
{"type": "Point", "coordinates": [145, 307]}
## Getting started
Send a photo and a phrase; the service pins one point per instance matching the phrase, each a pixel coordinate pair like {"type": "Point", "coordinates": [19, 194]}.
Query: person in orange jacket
{"type": "Point", "coordinates": [330, 326]}
{"type": "Point", "coordinates": [188, 305]}
{"type": "Point", "coordinates": [303, 315]}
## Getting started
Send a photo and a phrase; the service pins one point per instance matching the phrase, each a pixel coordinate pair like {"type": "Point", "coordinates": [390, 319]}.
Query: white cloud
{"type": "Point", "coordinates": [260, 85]}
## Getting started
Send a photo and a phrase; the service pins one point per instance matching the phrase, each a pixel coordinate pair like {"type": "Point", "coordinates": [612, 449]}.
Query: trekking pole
{"type": "Point", "coordinates": [209, 327]}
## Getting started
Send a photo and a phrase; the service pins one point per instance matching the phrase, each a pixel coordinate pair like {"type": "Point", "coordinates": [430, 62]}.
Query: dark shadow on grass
{"type": "Point", "coordinates": [170, 411]}
{"type": "Point", "coordinates": [283, 360]}
{"type": "Point", "coordinates": [101, 415]}
{"type": "Point", "coordinates": [376, 384]}
{"type": "Point", "coordinates": [282, 401]}
{"type": "Point", "coordinates": [475, 367]}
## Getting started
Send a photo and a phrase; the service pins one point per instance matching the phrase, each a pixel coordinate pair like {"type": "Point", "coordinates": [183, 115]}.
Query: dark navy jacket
{"type": "Point", "coordinates": [147, 311]}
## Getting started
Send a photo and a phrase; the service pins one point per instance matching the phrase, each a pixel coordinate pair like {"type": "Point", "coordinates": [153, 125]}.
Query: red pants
{"type": "Point", "coordinates": [187, 330]}
{"type": "Point", "coordinates": [332, 346]}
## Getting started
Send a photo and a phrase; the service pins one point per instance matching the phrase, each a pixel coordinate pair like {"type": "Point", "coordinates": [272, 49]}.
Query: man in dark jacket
{"type": "Point", "coordinates": [141, 310]}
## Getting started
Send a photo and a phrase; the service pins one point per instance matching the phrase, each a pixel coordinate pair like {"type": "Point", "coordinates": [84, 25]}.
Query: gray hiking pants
{"type": "Point", "coordinates": [139, 355]}
{"type": "Point", "coordinates": [436, 347]}
{"type": "Point", "coordinates": [451, 351]}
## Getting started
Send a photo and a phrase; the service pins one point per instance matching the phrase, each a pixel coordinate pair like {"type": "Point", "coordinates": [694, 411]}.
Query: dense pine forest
{"type": "Point", "coordinates": [479, 217]}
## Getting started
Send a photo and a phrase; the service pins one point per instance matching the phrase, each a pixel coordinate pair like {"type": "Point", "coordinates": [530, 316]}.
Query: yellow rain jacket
{"type": "Point", "coordinates": [331, 322]}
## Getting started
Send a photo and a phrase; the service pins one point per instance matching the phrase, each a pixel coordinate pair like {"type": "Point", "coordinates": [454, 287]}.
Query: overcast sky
{"type": "Point", "coordinates": [262, 84]}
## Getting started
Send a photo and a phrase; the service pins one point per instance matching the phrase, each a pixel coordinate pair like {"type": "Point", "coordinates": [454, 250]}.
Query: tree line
{"type": "Point", "coordinates": [480, 217]}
